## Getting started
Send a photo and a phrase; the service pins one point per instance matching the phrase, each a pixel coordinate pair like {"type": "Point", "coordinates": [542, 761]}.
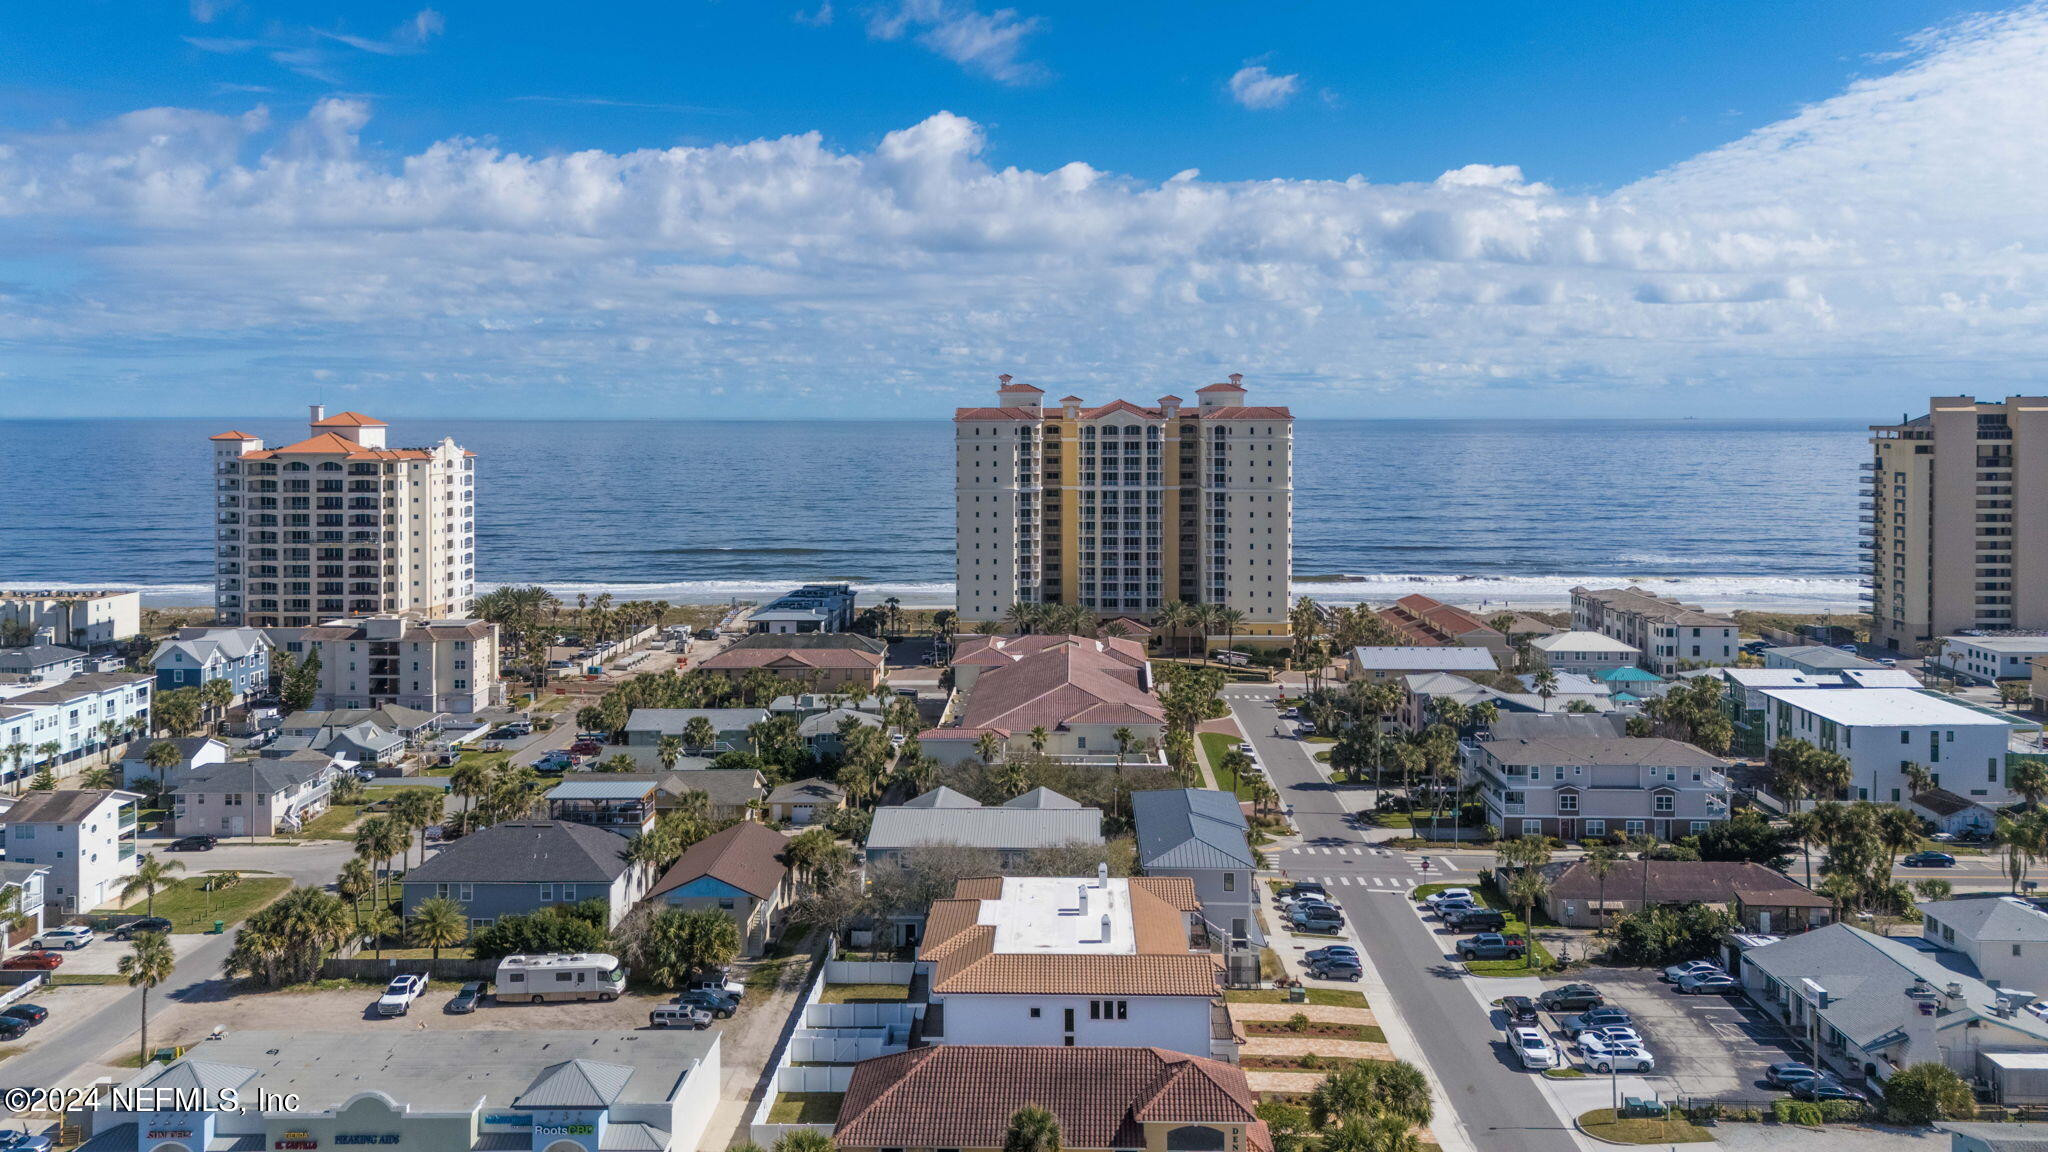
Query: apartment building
{"type": "Point", "coordinates": [338, 524]}
{"type": "Point", "coordinates": [1881, 730]}
{"type": "Point", "coordinates": [74, 619]}
{"type": "Point", "coordinates": [1672, 635]}
{"type": "Point", "coordinates": [69, 714]}
{"type": "Point", "coordinates": [1574, 786]}
{"type": "Point", "coordinates": [240, 656]}
{"type": "Point", "coordinates": [1989, 659]}
{"type": "Point", "coordinates": [1955, 520]}
{"type": "Point", "coordinates": [811, 608]}
{"type": "Point", "coordinates": [1121, 507]}
{"type": "Point", "coordinates": [430, 665]}
{"type": "Point", "coordinates": [85, 838]}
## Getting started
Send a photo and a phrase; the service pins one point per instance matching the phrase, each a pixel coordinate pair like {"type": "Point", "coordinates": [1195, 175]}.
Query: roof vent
{"type": "Point", "coordinates": [1102, 874]}
{"type": "Point", "coordinates": [1105, 927]}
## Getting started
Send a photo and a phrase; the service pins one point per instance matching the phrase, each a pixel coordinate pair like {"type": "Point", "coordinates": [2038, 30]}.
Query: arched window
{"type": "Point", "coordinates": [1194, 1138]}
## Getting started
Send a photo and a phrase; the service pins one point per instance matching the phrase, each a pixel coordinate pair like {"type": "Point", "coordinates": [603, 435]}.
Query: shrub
{"type": "Point", "coordinates": [1310, 1060]}
{"type": "Point", "coordinates": [1298, 1022]}
{"type": "Point", "coordinates": [1839, 1110]}
{"type": "Point", "coordinates": [1704, 1113]}
{"type": "Point", "coordinates": [1924, 1093]}
{"type": "Point", "coordinates": [1803, 1112]}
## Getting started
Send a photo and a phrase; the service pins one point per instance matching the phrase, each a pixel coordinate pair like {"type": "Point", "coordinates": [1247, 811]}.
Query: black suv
{"type": "Point", "coordinates": [146, 924]}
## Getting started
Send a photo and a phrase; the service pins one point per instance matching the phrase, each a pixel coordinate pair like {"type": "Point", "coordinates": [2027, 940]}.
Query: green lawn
{"type": "Point", "coordinates": [1601, 1124]}
{"type": "Point", "coordinates": [1214, 745]}
{"type": "Point", "coordinates": [191, 910]}
{"type": "Point", "coordinates": [1327, 997]}
{"type": "Point", "coordinates": [805, 1107]}
{"type": "Point", "coordinates": [864, 993]}
{"type": "Point", "coordinates": [1484, 894]}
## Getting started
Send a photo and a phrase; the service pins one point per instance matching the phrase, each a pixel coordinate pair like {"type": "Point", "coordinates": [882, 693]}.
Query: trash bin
{"type": "Point", "coordinates": [219, 926]}
{"type": "Point", "coordinates": [1297, 995]}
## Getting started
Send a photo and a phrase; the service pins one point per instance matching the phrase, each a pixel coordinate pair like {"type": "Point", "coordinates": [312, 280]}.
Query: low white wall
{"type": "Point", "coordinates": [869, 971]}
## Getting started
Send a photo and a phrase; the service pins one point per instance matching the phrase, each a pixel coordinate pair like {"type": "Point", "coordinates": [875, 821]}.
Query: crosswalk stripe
{"type": "Point", "coordinates": [1411, 881]}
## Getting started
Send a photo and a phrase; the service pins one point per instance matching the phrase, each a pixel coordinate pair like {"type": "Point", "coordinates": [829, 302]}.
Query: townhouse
{"type": "Point", "coordinates": [1671, 635]}
{"type": "Point", "coordinates": [1586, 786]}
{"type": "Point", "coordinates": [81, 716]}
{"type": "Point", "coordinates": [240, 656]}
{"type": "Point", "coordinates": [86, 838]}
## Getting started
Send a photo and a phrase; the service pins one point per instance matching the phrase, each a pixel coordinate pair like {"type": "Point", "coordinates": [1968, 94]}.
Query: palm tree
{"type": "Point", "coordinates": [700, 733]}
{"type": "Point", "coordinates": [1032, 1129]}
{"type": "Point", "coordinates": [151, 874]}
{"type": "Point", "coordinates": [1374, 1134]}
{"type": "Point", "coordinates": [1545, 683]}
{"type": "Point", "coordinates": [669, 749]}
{"type": "Point", "coordinates": [1230, 620]}
{"type": "Point", "coordinates": [148, 965]}
{"type": "Point", "coordinates": [1919, 778]}
{"type": "Point", "coordinates": [1124, 738]}
{"type": "Point", "coordinates": [1038, 737]}
{"type": "Point", "coordinates": [988, 746]}
{"type": "Point", "coordinates": [17, 752]}
{"type": "Point", "coordinates": [377, 922]}
{"type": "Point", "coordinates": [97, 777]}
{"type": "Point", "coordinates": [2028, 780]}
{"type": "Point", "coordinates": [437, 923]}
{"type": "Point", "coordinates": [1204, 622]}
{"type": "Point", "coordinates": [49, 751]}
{"type": "Point", "coordinates": [108, 729]}
{"type": "Point", "coordinates": [214, 698]}
{"type": "Point", "coordinates": [355, 881]}
{"type": "Point", "coordinates": [1525, 889]}
{"type": "Point", "coordinates": [1174, 615]}
{"type": "Point", "coordinates": [162, 756]}
{"type": "Point", "coordinates": [804, 1140]}
{"type": "Point", "coordinates": [471, 779]}
{"type": "Point", "coordinates": [1601, 860]}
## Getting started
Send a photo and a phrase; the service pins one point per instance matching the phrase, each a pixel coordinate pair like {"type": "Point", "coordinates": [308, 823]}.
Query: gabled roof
{"type": "Point", "coordinates": [941, 797]}
{"type": "Point", "coordinates": [811, 791]}
{"type": "Point", "coordinates": [528, 852]}
{"type": "Point", "coordinates": [1041, 798]}
{"type": "Point", "coordinates": [1056, 682]}
{"type": "Point", "coordinates": [349, 420]}
{"type": "Point", "coordinates": [62, 806]}
{"type": "Point", "coordinates": [1684, 882]}
{"type": "Point", "coordinates": [1224, 386]}
{"type": "Point", "coordinates": [200, 1076]}
{"type": "Point", "coordinates": [1189, 828]}
{"type": "Point", "coordinates": [2000, 919]}
{"type": "Point", "coordinates": [962, 1096]}
{"type": "Point", "coordinates": [576, 1084]}
{"type": "Point", "coordinates": [1552, 751]}
{"type": "Point", "coordinates": [973, 826]}
{"type": "Point", "coordinates": [231, 435]}
{"type": "Point", "coordinates": [270, 775]}
{"type": "Point", "coordinates": [746, 855]}
{"type": "Point", "coordinates": [1419, 658]}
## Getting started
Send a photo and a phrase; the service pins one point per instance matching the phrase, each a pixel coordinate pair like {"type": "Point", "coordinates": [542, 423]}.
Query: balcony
{"type": "Point", "coordinates": [1868, 466]}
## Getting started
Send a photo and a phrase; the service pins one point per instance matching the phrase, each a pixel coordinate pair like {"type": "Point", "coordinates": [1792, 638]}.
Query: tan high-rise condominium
{"type": "Point", "coordinates": [1956, 520]}
{"type": "Point", "coordinates": [340, 525]}
{"type": "Point", "coordinates": [1120, 508]}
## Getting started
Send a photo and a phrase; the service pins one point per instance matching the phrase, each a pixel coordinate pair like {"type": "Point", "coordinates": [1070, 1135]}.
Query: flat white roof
{"type": "Point", "coordinates": [1582, 642]}
{"type": "Point", "coordinates": [1884, 707]}
{"type": "Point", "coordinates": [2019, 645]}
{"type": "Point", "coordinates": [1062, 915]}
{"type": "Point", "coordinates": [1440, 658]}
{"type": "Point", "coordinates": [1780, 678]}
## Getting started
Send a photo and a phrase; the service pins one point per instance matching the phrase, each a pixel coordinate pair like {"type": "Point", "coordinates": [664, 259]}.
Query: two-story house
{"type": "Point", "coordinates": [624, 806]}
{"type": "Point", "coordinates": [2004, 936]}
{"type": "Point", "coordinates": [253, 797]}
{"type": "Point", "coordinates": [85, 837]}
{"type": "Point", "coordinates": [195, 753]}
{"type": "Point", "coordinates": [82, 716]}
{"type": "Point", "coordinates": [1671, 635]}
{"type": "Point", "coordinates": [1041, 818]}
{"type": "Point", "coordinates": [523, 866]}
{"type": "Point", "coordinates": [21, 895]}
{"type": "Point", "coordinates": [1588, 786]}
{"type": "Point", "coordinates": [1201, 833]}
{"type": "Point", "coordinates": [240, 656]}
{"type": "Point", "coordinates": [739, 871]}
{"type": "Point", "coordinates": [1066, 961]}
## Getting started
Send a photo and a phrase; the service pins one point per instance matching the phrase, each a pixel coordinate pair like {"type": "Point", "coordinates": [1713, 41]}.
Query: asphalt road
{"type": "Point", "coordinates": [1500, 1109]}
{"type": "Point", "coordinates": [78, 1043]}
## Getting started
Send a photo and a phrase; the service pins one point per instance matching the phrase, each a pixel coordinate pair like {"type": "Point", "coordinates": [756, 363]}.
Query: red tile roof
{"type": "Point", "coordinates": [1057, 681]}
{"type": "Point", "coordinates": [335, 444]}
{"type": "Point", "coordinates": [1247, 413]}
{"type": "Point", "coordinates": [1225, 387]}
{"type": "Point", "coordinates": [995, 413]}
{"type": "Point", "coordinates": [961, 949]}
{"type": "Point", "coordinates": [232, 436]}
{"type": "Point", "coordinates": [350, 420]}
{"type": "Point", "coordinates": [1427, 621]}
{"type": "Point", "coordinates": [963, 1095]}
{"type": "Point", "coordinates": [1010, 385]}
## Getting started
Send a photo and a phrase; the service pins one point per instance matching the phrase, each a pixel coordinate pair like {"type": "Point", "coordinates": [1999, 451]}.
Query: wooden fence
{"type": "Point", "coordinates": [372, 968]}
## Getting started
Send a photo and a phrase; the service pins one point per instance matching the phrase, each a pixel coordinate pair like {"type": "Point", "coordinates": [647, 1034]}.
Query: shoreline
{"type": "Point", "coordinates": [1808, 595]}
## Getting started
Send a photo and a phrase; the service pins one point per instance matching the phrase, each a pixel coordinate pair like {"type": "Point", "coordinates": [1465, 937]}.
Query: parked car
{"type": "Point", "coordinates": [1435, 899]}
{"type": "Point", "coordinates": [1594, 1019]}
{"type": "Point", "coordinates": [468, 997]}
{"type": "Point", "coordinates": [200, 843]}
{"type": "Point", "coordinates": [1333, 952]}
{"type": "Point", "coordinates": [1247, 749]}
{"type": "Point", "coordinates": [720, 1006]}
{"type": "Point", "coordinates": [400, 993]}
{"type": "Point", "coordinates": [1708, 983]}
{"type": "Point", "coordinates": [1602, 1056]}
{"type": "Point", "coordinates": [12, 1029]}
{"type": "Point", "coordinates": [1534, 1049]}
{"type": "Point", "coordinates": [34, 962]}
{"type": "Point", "coordinates": [1447, 908]}
{"type": "Point", "coordinates": [678, 1016]}
{"type": "Point", "coordinates": [1317, 918]}
{"type": "Point", "coordinates": [1518, 1009]}
{"type": "Point", "coordinates": [1306, 887]}
{"type": "Point", "coordinates": [1790, 1072]}
{"type": "Point", "coordinates": [71, 937]}
{"type": "Point", "coordinates": [1492, 946]}
{"type": "Point", "coordinates": [146, 924]}
{"type": "Point", "coordinates": [1570, 998]}
{"type": "Point", "coordinates": [13, 1141]}
{"type": "Point", "coordinates": [1928, 860]}
{"type": "Point", "coordinates": [1478, 920]}
{"type": "Point", "coordinates": [1678, 972]}
{"type": "Point", "coordinates": [1621, 1034]}
{"type": "Point", "coordinates": [30, 1014]}
{"type": "Point", "coordinates": [1826, 1088]}
{"type": "Point", "coordinates": [1337, 968]}
{"type": "Point", "coordinates": [1305, 900]}
{"type": "Point", "coordinates": [585, 748]}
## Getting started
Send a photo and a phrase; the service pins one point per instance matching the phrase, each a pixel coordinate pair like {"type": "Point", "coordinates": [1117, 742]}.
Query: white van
{"type": "Point", "coordinates": [573, 976]}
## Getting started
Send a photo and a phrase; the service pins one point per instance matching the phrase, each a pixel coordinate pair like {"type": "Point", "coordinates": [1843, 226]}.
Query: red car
{"type": "Point", "coordinates": [34, 961]}
{"type": "Point", "coordinates": [585, 748]}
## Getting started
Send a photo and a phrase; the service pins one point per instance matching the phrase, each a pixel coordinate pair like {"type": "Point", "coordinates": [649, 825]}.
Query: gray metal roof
{"type": "Point", "coordinates": [827, 723]}
{"type": "Point", "coordinates": [1041, 798]}
{"type": "Point", "coordinates": [1437, 658]}
{"type": "Point", "coordinates": [903, 826]}
{"type": "Point", "coordinates": [1820, 656]}
{"type": "Point", "coordinates": [1994, 1137]}
{"type": "Point", "coordinates": [1547, 725]}
{"type": "Point", "coordinates": [202, 1076]}
{"type": "Point", "coordinates": [1867, 978]}
{"type": "Point", "coordinates": [528, 852]}
{"type": "Point", "coordinates": [627, 1136]}
{"type": "Point", "coordinates": [2000, 918]}
{"type": "Point", "coordinates": [1546, 751]}
{"type": "Point", "coordinates": [632, 787]}
{"type": "Point", "coordinates": [1187, 828]}
{"type": "Point", "coordinates": [36, 656]}
{"type": "Point", "coordinates": [942, 797]}
{"type": "Point", "coordinates": [670, 721]}
{"type": "Point", "coordinates": [576, 1084]}
{"type": "Point", "coordinates": [259, 775]}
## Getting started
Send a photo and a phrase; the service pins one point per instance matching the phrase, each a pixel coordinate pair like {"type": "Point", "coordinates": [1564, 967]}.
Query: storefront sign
{"type": "Point", "coordinates": [296, 1142]}
{"type": "Point", "coordinates": [510, 1120]}
{"type": "Point", "coordinates": [565, 1129]}
{"type": "Point", "coordinates": [170, 1133]}
{"type": "Point", "coordinates": [366, 1138]}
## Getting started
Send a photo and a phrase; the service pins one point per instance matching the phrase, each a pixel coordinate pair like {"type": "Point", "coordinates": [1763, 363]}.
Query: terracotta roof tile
{"type": "Point", "coordinates": [962, 953]}
{"type": "Point", "coordinates": [962, 1096]}
{"type": "Point", "coordinates": [1222, 387]}
{"type": "Point", "coordinates": [1056, 681]}
{"type": "Point", "coordinates": [350, 420]}
{"type": "Point", "coordinates": [1247, 413]}
{"type": "Point", "coordinates": [232, 435]}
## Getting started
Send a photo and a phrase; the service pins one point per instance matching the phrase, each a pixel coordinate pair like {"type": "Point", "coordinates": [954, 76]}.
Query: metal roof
{"type": "Point", "coordinates": [1189, 828]}
{"type": "Point", "coordinates": [576, 1084]}
{"type": "Point", "coordinates": [1013, 828]}
{"type": "Point", "coordinates": [2004, 919]}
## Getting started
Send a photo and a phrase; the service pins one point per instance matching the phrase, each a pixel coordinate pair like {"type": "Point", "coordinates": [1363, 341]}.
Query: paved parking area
{"type": "Point", "coordinates": [1705, 1045]}
{"type": "Point", "coordinates": [102, 957]}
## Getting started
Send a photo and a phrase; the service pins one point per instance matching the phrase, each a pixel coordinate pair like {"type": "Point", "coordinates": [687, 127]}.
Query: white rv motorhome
{"type": "Point", "coordinates": [577, 976]}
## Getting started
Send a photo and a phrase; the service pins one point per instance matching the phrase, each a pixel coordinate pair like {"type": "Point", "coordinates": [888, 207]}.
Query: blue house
{"type": "Point", "coordinates": [525, 865]}
{"type": "Point", "coordinates": [240, 656]}
{"type": "Point", "coordinates": [739, 871]}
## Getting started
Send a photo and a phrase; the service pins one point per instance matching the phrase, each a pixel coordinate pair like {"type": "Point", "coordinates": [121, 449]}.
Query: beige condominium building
{"type": "Point", "coordinates": [340, 525]}
{"type": "Point", "coordinates": [1120, 507]}
{"type": "Point", "coordinates": [1955, 505]}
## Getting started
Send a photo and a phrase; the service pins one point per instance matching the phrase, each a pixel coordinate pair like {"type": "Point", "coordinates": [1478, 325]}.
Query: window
{"type": "Point", "coordinates": [1568, 802]}
{"type": "Point", "coordinates": [1230, 881]}
{"type": "Point", "coordinates": [1034, 1013]}
{"type": "Point", "coordinates": [1109, 1009]}
{"type": "Point", "coordinates": [1665, 803]}
{"type": "Point", "coordinates": [1633, 827]}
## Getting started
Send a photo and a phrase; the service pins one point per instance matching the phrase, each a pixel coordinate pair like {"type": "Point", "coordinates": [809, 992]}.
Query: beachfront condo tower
{"type": "Point", "coordinates": [1120, 508]}
{"type": "Point", "coordinates": [1956, 521]}
{"type": "Point", "coordinates": [340, 525]}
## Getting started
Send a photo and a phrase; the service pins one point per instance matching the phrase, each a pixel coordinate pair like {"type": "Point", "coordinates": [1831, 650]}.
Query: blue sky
{"type": "Point", "coordinates": [741, 208]}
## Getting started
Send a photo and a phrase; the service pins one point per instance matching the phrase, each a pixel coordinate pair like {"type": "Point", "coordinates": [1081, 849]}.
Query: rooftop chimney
{"type": "Point", "coordinates": [319, 413]}
{"type": "Point", "coordinates": [1105, 927]}
{"type": "Point", "coordinates": [1102, 875]}
{"type": "Point", "coordinates": [1084, 899]}
{"type": "Point", "coordinates": [1237, 378]}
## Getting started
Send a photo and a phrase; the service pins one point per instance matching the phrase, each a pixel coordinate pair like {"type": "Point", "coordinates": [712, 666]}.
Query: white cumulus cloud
{"type": "Point", "coordinates": [991, 43]}
{"type": "Point", "coordinates": [1254, 86]}
{"type": "Point", "coordinates": [1885, 244]}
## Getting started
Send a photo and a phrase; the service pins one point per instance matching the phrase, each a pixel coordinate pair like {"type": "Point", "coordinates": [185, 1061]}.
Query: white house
{"type": "Point", "coordinates": [1572, 785]}
{"type": "Point", "coordinates": [41, 663]}
{"type": "Point", "coordinates": [1991, 658]}
{"type": "Point", "coordinates": [1587, 652]}
{"type": "Point", "coordinates": [194, 753]}
{"type": "Point", "coordinates": [85, 838]}
{"type": "Point", "coordinates": [2004, 936]}
{"type": "Point", "coordinates": [21, 894]}
{"type": "Point", "coordinates": [1065, 961]}
{"type": "Point", "coordinates": [1881, 730]}
{"type": "Point", "coordinates": [69, 715]}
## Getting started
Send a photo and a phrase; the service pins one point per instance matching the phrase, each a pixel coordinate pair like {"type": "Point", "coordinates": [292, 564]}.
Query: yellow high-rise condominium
{"type": "Point", "coordinates": [1955, 507]}
{"type": "Point", "coordinates": [340, 525]}
{"type": "Point", "coordinates": [1121, 507]}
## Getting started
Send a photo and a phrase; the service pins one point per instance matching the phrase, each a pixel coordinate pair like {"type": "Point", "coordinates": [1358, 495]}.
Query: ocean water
{"type": "Point", "coordinates": [1728, 513]}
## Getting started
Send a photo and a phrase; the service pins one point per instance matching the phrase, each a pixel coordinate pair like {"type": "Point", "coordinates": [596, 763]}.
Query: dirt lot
{"type": "Point", "coordinates": [352, 1008]}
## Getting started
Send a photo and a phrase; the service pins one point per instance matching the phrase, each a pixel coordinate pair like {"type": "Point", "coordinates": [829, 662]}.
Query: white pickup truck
{"type": "Point", "coordinates": [400, 993]}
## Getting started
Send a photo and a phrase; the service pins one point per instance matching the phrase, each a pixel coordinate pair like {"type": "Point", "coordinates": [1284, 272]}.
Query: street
{"type": "Point", "coordinates": [1499, 1109]}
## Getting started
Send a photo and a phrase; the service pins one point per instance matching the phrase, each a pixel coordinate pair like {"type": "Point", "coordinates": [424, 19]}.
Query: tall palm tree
{"type": "Point", "coordinates": [1038, 737]}
{"type": "Point", "coordinates": [354, 882]}
{"type": "Point", "coordinates": [149, 964]}
{"type": "Point", "coordinates": [2028, 779]}
{"type": "Point", "coordinates": [1601, 861]}
{"type": "Point", "coordinates": [214, 697]}
{"type": "Point", "coordinates": [96, 777]}
{"type": "Point", "coordinates": [162, 756]}
{"type": "Point", "coordinates": [1919, 778]}
{"type": "Point", "coordinates": [988, 746]}
{"type": "Point", "coordinates": [1173, 617]}
{"type": "Point", "coordinates": [670, 750]}
{"type": "Point", "coordinates": [1545, 683]}
{"type": "Point", "coordinates": [1032, 1129]}
{"type": "Point", "coordinates": [18, 752]}
{"type": "Point", "coordinates": [150, 875]}
{"type": "Point", "coordinates": [1230, 620]}
{"type": "Point", "coordinates": [377, 922]}
{"type": "Point", "coordinates": [1124, 738]}
{"type": "Point", "coordinates": [438, 923]}
{"type": "Point", "coordinates": [700, 733]}
{"type": "Point", "coordinates": [49, 750]}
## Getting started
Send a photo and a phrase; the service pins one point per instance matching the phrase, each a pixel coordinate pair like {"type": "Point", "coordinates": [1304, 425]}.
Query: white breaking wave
{"type": "Point", "coordinates": [1718, 593]}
